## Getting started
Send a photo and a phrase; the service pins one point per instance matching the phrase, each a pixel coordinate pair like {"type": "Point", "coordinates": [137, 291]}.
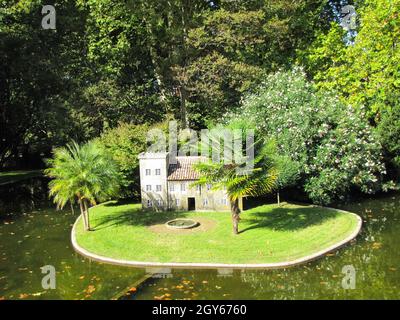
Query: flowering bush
{"type": "Point", "coordinates": [333, 144]}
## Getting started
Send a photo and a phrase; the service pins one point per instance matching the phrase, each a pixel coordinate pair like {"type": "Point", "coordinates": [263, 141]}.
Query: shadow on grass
{"type": "Point", "coordinates": [134, 217]}
{"type": "Point", "coordinates": [287, 218]}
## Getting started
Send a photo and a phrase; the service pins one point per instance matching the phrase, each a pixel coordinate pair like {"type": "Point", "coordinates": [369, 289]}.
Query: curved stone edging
{"type": "Point", "coordinates": [275, 265]}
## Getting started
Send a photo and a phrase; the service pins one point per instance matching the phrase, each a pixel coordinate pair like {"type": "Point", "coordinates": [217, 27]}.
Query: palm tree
{"type": "Point", "coordinates": [237, 180]}
{"type": "Point", "coordinates": [83, 174]}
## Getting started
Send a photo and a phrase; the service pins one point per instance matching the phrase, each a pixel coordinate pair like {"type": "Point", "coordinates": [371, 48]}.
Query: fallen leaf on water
{"type": "Point", "coordinates": [204, 281]}
{"type": "Point", "coordinates": [376, 245]}
{"type": "Point", "coordinates": [36, 294]}
{"type": "Point", "coordinates": [330, 254]}
{"type": "Point", "coordinates": [179, 287]}
{"type": "Point", "coordinates": [23, 295]}
{"type": "Point", "coordinates": [167, 294]}
{"type": "Point", "coordinates": [392, 269]}
{"type": "Point", "coordinates": [90, 289]}
{"type": "Point", "coordinates": [81, 277]}
{"type": "Point", "coordinates": [218, 287]}
{"type": "Point", "coordinates": [133, 289]}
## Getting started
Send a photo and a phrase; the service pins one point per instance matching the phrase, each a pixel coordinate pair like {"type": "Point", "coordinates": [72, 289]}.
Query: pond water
{"type": "Point", "coordinates": [41, 237]}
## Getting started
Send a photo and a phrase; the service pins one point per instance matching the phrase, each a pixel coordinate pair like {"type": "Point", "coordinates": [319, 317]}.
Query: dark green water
{"type": "Point", "coordinates": [41, 237]}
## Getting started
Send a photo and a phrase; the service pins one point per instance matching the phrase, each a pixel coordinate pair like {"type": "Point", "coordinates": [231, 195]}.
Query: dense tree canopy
{"type": "Point", "coordinates": [364, 70]}
{"type": "Point", "coordinates": [115, 68]}
{"type": "Point", "coordinates": [135, 61]}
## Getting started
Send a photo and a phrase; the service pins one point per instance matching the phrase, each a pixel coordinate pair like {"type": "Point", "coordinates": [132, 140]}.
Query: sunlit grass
{"type": "Point", "coordinates": [267, 234]}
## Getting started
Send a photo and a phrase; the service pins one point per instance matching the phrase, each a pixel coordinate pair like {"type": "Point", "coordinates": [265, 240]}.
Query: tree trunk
{"type": "Point", "coordinates": [278, 198]}
{"type": "Point", "coordinates": [83, 214]}
{"type": "Point", "coordinates": [184, 119]}
{"type": "Point", "coordinates": [235, 215]}
{"type": "Point", "coordinates": [85, 203]}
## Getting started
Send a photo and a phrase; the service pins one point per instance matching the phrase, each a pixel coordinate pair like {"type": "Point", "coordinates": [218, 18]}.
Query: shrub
{"type": "Point", "coordinates": [124, 143]}
{"type": "Point", "coordinates": [332, 143]}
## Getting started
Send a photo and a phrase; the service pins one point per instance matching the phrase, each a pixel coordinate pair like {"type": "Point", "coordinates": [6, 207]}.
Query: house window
{"type": "Point", "coordinates": [159, 202]}
{"type": "Point", "coordinates": [205, 202]}
{"type": "Point", "coordinates": [223, 202]}
{"type": "Point", "coordinates": [148, 187]}
{"type": "Point", "coordinates": [208, 186]}
{"type": "Point", "coordinates": [198, 188]}
{"type": "Point", "coordinates": [183, 186]}
{"type": "Point", "coordinates": [149, 204]}
{"type": "Point", "coordinates": [177, 202]}
{"type": "Point", "coordinates": [158, 187]}
{"type": "Point", "coordinates": [158, 172]}
{"type": "Point", "coordinates": [171, 187]}
{"type": "Point", "coordinates": [148, 172]}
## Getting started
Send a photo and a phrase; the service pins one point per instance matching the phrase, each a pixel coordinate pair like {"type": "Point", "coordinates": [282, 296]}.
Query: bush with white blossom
{"type": "Point", "coordinates": [333, 144]}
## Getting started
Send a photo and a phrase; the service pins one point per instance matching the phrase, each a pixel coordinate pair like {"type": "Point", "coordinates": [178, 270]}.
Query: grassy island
{"type": "Point", "coordinates": [268, 234]}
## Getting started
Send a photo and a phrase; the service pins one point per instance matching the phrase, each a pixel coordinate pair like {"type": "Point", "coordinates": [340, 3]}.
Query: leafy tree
{"type": "Point", "coordinates": [365, 70]}
{"type": "Point", "coordinates": [83, 174]}
{"type": "Point", "coordinates": [389, 134]}
{"type": "Point", "coordinates": [237, 179]}
{"type": "Point", "coordinates": [124, 143]}
{"type": "Point", "coordinates": [288, 174]}
{"type": "Point", "coordinates": [333, 144]}
{"type": "Point", "coordinates": [39, 73]}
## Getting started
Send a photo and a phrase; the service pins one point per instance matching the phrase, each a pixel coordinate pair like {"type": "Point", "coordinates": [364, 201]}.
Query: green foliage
{"type": "Point", "coordinates": [364, 71]}
{"type": "Point", "coordinates": [288, 171]}
{"type": "Point", "coordinates": [82, 173]}
{"type": "Point", "coordinates": [124, 143]}
{"type": "Point", "coordinates": [38, 68]}
{"type": "Point", "coordinates": [389, 134]}
{"type": "Point", "coordinates": [135, 61]}
{"type": "Point", "coordinates": [239, 178]}
{"type": "Point", "coordinates": [231, 48]}
{"type": "Point", "coordinates": [332, 144]}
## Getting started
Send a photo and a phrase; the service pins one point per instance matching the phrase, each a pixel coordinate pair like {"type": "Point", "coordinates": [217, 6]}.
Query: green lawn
{"type": "Point", "coordinates": [268, 234]}
{"type": "Point", "coordinates": [14, 176]}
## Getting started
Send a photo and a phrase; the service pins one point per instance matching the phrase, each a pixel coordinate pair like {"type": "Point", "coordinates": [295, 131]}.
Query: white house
{"type": "Point", "coordinates": [166, 186]}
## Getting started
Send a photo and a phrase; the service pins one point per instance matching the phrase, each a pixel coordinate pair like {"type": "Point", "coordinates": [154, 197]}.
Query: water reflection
{"type": "Point", "coordinates": [42, 237]}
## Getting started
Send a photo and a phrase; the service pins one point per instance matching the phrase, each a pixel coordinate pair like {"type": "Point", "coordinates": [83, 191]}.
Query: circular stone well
{"type": "Point", "coordinates": [181, 224]}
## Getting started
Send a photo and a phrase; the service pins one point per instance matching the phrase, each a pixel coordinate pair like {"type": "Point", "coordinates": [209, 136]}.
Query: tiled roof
{"type": "Point", "coordinates": [183, 169]}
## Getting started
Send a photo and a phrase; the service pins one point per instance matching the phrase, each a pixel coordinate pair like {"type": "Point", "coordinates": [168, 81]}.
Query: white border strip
{"type": "Point", "coordinates": [187, 265]}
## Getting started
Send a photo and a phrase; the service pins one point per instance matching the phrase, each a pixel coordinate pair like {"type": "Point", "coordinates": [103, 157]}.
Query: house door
{"type": "Point", "coordinates": [191, 204]}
